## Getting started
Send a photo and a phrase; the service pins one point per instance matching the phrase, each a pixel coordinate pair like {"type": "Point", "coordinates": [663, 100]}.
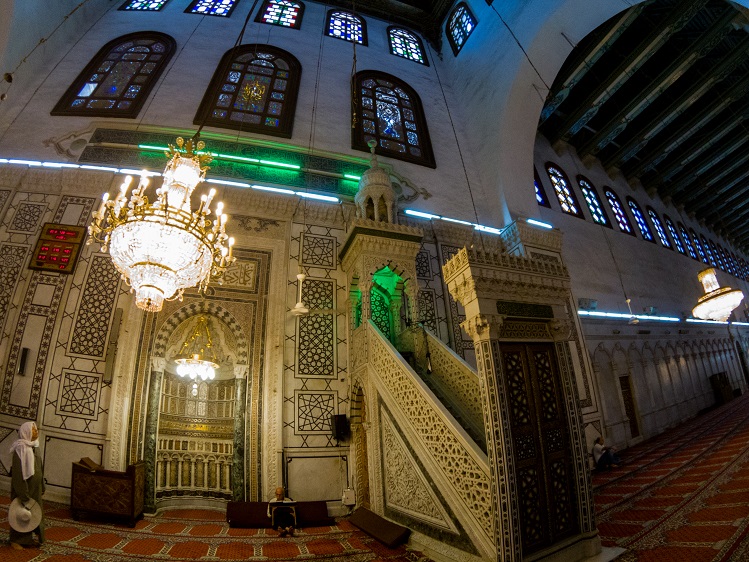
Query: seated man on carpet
{"type": "Point", "coordinates": [283, 516]}
{"type": "Point", "coordinates": [604, 457]}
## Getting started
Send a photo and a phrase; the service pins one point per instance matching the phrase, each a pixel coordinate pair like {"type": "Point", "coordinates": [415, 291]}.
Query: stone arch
{"type": "Point", "coordinates": [359, 426]}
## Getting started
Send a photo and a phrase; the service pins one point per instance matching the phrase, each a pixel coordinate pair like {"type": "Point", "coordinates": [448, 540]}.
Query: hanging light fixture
{"type": "Point", "coordinates": [197, 358]}
{"type": "Point", "coordinates": [164, 247]}
{"type": "Point", "coordinates": [718, 302]}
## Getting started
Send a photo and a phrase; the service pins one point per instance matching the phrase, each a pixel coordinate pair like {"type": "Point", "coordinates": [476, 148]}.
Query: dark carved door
{"type": "Point", "coordinates": [629, 405]}
{"type": "Point", "coordinates": [540, 434]}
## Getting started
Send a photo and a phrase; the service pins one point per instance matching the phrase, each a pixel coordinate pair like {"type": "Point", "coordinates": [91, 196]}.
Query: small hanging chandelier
{"type": "Point", "coordinates": [197, 358]}
{"type": "Point", "coordinates": [718, 302]}
{"type": "Point", "coordinates": [163, 248]}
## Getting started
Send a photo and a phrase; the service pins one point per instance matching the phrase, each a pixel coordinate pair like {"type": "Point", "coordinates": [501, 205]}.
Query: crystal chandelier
{"type": "Point", "coordinates": [164, 247]}
{"type": "Point", "coordinates": [197, 358]}
{"type": "Point", "coordinates": [718, 302]}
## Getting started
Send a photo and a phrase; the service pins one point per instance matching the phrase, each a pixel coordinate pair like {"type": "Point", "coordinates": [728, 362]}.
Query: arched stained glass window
{"type": "Point", "coordinates": [640, 220]}
{"type": "Point", "coordinates": [255, 91]}
{"type": "Point", "coordinates": [618, 209]}
{"type": "Point", "coordinates": [687, 241]}
{"type": "Point", "coordinates": [119, 78]}
{"type": "Point", "coordinates": [405, 44]}
{"type": "Point", "coordinates": [593, 201]}
{"type": "Point", "coordinates": [708, 252]}
{"type": "Point", "coordinates": [541, 198]}
{"type": "Point", "coordinates": [698, 246]}
{"type": "Point", "coordinates": [222, 8]}
{"type": "Point", "coordinates": [347, 26]}
{"type": "Point", "coordinates": [674, 234]}
{"type": "Point", "coordinates": [144, 5]}
{"type": "Point", "coordinates": [281, 12]}
{"type": "Point", "coordinates": [388, 111]}
{"type": "Point", "coordinates": [460, 24]}
{"type": "Point", "coordinates": [660, 231]}
{"type": "Point", "coordinates": [717, 255]}
{"type": "Point", "coordinates": [563, 189]}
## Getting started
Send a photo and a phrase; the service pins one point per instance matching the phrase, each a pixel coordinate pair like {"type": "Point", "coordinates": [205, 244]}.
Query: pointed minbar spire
{"type": "Point", "coordinates": [375, 200]}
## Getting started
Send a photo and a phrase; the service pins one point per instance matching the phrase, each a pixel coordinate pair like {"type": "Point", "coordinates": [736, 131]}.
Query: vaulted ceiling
{"type": "Point", "coordinates": [660, 94]}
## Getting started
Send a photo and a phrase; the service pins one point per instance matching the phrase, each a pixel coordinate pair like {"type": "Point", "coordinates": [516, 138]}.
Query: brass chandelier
{"type": "Point", "coordinates": [164, 247]}
{"type": "Point", "coordinates": [718, 302]}
{"type": "Point", "coordinates": [197, 358]}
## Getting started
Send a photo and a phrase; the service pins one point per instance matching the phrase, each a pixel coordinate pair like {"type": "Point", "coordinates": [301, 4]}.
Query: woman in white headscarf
{"type": "Point", "coordinates": [27, 477]}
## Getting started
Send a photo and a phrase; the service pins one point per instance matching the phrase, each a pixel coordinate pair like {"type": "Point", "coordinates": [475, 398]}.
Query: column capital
{"type": "Point", "coordinates": [240, 371]}
{"type": "Point", "coordinates": [560, 329]}
{"type": "Point", "coordinates": [158, 364]}
{"type": "Point", "coordinates": [483, 326]}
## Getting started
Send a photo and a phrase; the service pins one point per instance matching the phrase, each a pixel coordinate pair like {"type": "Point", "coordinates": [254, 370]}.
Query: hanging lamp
{"type": "Point", "coordinates": [718, 302]}
{"type": "Point", "coordinates": [197, 357]}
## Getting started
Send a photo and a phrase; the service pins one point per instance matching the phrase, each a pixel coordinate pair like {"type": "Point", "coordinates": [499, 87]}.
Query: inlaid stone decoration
{"type": "Point", "coordinates": [314, 410]}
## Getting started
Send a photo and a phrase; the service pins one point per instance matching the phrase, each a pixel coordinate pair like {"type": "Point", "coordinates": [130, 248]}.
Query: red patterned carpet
{"type": "Point", "coordinates": [194, 535]}
{"type": "Point", "coordinates": [684, 495]}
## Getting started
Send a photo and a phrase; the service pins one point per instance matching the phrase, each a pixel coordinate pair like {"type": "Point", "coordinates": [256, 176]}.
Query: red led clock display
{"type": "Point", "coordinates": [58, 247]}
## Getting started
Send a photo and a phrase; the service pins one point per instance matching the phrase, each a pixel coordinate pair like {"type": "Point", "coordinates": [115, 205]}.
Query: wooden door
{"type": "Point", "coordinates": [544, 471]}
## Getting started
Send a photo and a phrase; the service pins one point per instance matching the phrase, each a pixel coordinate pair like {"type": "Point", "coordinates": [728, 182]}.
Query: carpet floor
{"type": "Point", "coordinates": [682, 496]}
{"type": "Point", "coordinates": [195, 535]}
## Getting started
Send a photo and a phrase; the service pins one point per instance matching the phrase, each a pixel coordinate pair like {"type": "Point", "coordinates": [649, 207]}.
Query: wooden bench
{"type": "Point", "coordinates": [254, 515]}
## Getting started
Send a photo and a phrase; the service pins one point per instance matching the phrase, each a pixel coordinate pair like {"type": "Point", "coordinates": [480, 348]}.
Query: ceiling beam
{"type": "Point", "coordinates": [703, 199]}
{"type": "Point", "coordinates": [662, 82]}
{"type": "Point", "coordinates": [680, 136]}
{"type": "Point", "coordinates": [695, 181]}
{"type": "Point", "coordinates": [726, 202]}
{"type": "Point", "coordinates": [585, 60]}
{"type": "Point", "coordinates": [676, 20]}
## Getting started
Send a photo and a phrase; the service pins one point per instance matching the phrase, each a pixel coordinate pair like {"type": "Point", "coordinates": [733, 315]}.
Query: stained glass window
{"type": "Point", "coordinates": [388, 111]}
{"type": "Point", "coordinates": [593, 201]}
{"type": "Point", "coordinates": [118, 79]}
{"type": "Point", "coordinates": [659, 230]}
{"type": "Point", "coordinates": [717, 255]}
{"type": "Point", "coordinates": [221, 8]}
{"type": "Point", "coordinates": [281, 12]}
{"type": "Point", "coordinates": [687, 241]}
{"type": "Point", "coordinates": [144, 5]}
{"type": "Point", "coordinates": [347, 26]}
{"type": "Point", "coordinates": [619, 214]}
{"type": "Point", "coordinates": [405, 44]}
{"type": "Point", "coordinates": [460, 24]}
{"type": "Point", "coordinates": [254, 91]}
{"type": "Point", "coordinates": [563, 189]}
{"type": "Point", "coordinates": [541, 198]}
{"type": "Point", "coordinates": [674, 234]}
{"type": "Point", "coordinates": [640, 220]}
{"type": "Point", "coordinates": [698, 246]}
{"type": "Point", "coordinates": [708, 252]}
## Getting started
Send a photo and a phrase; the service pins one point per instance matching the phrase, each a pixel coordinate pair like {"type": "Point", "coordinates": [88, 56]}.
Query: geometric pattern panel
{"type": "Point", "coordinates": [4, 194]}
{"type": "Point", "coordinates": [79, 394]}
{"type": "Point", "coordinates": [317, 294]}
{"type": "Point", "coordinates": [529, 496]}
{"type": "Point", "coordinates": [406, 489]}
{"type": "Point", "coordinates": [546, 387]}
{"type": "Point", "coordinates": [427, 312]}
{"type": "Point", "coordinates": [319, 251]}
{"type": "Point", "coordinates": [27, 217]}
{"type": "Point", "coordinates": [423, 269]}
{"type": "Point", "coordinates": [316, 346]}
{"type": "Point", "coordinates": [313, 411]}
{"type": "Point", "coordinates": [95, 308]}
{"type": "Point", "coordinates": [380, 312]}
{"type": "Point", "coordinates": [518, 394]}
{"type": "Point", "coordinates": [11, 262]}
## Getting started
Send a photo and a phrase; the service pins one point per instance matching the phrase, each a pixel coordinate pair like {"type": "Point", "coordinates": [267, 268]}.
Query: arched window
{"type": "Point", "coordinates": [563, 189]}
{"type": "Point", "coordinates": [255, 91]}
{"type": "Point", "coordinates": [221, 8]}
{"type": "Point", "coordinates": [281, 12]}
{"type": "Point", "coordinates": [405, 44]}
{"type": "Point", "coordinates": [460, 24]}
{"type": "Point", "coordinates": [144, 5]}
{"type": "Point", "coordinates": [660, 231]}
{"type": "Point", "coordinates": [119, 78]}
{"type": "Point", "coordinates": [708, 252]}
{"type": "Point", "coordinates": [698, 246]}
{"type": "Point", "coordinates": [347, 26]}
{"type": "Point", "coordinates": [541, 198]}
{"type": "Point", "coordinates": [674, 234]}
{"type": "Point", "coordinates": [593, 201]}
{"type": "Point", "coordinates": [640, 220]}
{"type": "Point", "coordinates": [388, 111]}
{"type": "Point", "coordinates": [687, 241]}
{"type": "Point", "coordinates": [717, 255]}
{"type": "Point", "coordinates": [618, 209]}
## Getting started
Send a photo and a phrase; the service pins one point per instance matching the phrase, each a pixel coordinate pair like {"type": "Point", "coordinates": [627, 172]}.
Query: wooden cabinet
{"type": "Point", "coordinates": [96, 491]}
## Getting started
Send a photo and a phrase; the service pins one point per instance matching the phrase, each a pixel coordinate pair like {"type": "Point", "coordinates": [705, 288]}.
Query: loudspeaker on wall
{"type": "Point", "coordinates": [339, 426]}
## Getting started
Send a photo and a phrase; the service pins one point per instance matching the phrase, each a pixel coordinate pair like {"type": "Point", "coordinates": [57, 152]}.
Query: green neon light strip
{"type": "Point", "coordinates": [351, 177]}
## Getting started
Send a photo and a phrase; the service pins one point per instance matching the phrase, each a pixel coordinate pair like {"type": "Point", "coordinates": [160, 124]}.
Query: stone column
{"type": "Point", "coordinates": [240, 392]}
{"type": "Point", "coordinates": [484, 330]}
{"type": "Point", "coordinates": [152, 419]}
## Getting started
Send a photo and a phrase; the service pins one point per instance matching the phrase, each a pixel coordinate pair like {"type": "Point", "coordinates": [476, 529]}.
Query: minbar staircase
{"type": "Point", "coordinates": [438, 415]}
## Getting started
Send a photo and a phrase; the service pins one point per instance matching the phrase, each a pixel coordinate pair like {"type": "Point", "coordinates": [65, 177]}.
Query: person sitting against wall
{"type": "Point", "coordinates": [604, 457]}
{"type": "Point", "coordinates": [282, 516]}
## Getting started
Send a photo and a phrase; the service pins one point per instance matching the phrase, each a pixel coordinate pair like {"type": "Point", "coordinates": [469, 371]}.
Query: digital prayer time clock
{"type": "Point", "coordinates": [58, 247]}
